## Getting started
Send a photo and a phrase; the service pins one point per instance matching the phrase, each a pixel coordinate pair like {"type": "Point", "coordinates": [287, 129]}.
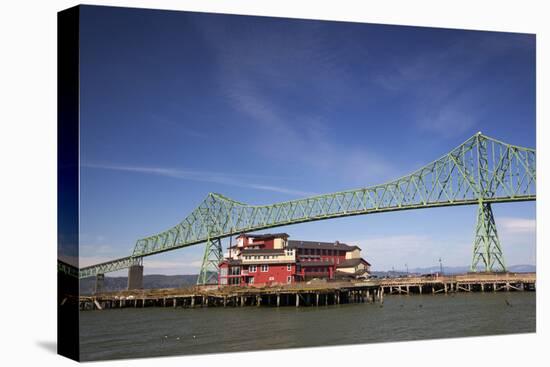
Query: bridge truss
{"type": "Point", "coordinates": [481, 171]}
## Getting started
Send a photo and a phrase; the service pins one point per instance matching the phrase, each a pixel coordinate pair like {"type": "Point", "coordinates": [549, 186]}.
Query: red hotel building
{"type": "Point", "coordinates": [270, 259]}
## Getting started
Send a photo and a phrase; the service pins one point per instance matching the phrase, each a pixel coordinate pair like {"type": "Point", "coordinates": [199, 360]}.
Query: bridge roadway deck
{"type": "Point", "coordinates": [312, 294]}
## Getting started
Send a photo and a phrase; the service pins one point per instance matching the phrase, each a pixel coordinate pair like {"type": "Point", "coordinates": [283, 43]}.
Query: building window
{"type": "Point", "coordinates": [252, 269]}
{"type": "Point", "coordinates": [251, 281]}
{"type": "Point", "coordinates": [288, 267]}
{"type": "Point", "coordinates": [289, 279]}
{"type": "Point", "coordinates": [264, 268]}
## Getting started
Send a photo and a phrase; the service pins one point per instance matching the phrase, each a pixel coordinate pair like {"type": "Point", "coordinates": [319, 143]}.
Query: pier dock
{"type": "Point", "coordinates": [313, 294]}
{"type": "Point", "coordinates": [470, 282]}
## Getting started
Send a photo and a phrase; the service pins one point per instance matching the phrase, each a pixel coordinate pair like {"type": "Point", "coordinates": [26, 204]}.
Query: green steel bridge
{"type": "Point", "coordinates": [481, 171]}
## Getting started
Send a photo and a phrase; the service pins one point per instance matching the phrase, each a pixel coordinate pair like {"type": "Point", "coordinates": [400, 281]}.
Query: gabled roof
{"type": "Point", "coordinates": [321, 245]}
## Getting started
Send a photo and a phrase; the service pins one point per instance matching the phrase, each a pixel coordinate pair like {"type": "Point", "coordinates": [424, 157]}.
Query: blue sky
{"type": "Point", "coordinates": [175, 105]}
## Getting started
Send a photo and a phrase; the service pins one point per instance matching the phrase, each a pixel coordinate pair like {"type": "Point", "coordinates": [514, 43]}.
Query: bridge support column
{"type": "Point", "coordinates": [99, 283]}
{"type": "Point", "coordinates": [213, 255]}
{"type": "Point", "coordinates": [135, 277]}
{"type": "Point", "coordinates": [487, 252]}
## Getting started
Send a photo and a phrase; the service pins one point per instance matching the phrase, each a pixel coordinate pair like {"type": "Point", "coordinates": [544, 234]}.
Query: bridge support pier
{"type": "Point", "coordinates": [99, 283]}
{"type": "Point", "coordinates": [135, 277]}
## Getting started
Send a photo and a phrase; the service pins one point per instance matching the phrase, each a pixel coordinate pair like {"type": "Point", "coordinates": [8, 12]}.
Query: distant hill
{"type": "Point", "coordinates": [152, 281]}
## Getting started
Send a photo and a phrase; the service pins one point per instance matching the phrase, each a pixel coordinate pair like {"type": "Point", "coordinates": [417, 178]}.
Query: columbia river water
{"type": "Point", "coordinates": [147, 332]}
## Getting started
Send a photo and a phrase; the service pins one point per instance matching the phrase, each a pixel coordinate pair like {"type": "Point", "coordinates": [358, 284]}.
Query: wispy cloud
{"type": "Point", "coordinates": [513, 225]}
{"type": "Point", "coordinates": [445, 87]}
{"type": "Point", "coordinates": [307, 139]}
{"type": "Point", "coordinates": [278, 121]}
{"type": "Point", "coordinates": [244, 181]}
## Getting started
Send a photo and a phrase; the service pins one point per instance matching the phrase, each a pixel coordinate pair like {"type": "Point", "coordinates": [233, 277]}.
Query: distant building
{"type": "Point", "coordinates": [270, 259]}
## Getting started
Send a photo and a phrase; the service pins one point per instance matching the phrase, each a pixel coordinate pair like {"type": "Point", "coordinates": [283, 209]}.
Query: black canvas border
{"type": "Point", "coordinates": [68, 22]}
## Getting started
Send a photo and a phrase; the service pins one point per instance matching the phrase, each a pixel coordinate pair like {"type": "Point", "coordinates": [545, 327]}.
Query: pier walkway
{"type": "Point", "coordinates": [312, 294]}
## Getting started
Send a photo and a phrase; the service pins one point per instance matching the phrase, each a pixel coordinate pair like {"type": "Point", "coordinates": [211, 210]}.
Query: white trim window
{"type": "Point", "coordinates": [252, 269]}
{"type": "Point", "coordinates": [289, 267]}
{"type": "Point", "coordinates": [251, 281]}
{"type": "Point", "coordinates": [264, 268]}
{"type": "Point", "coordinates": [289, 279]}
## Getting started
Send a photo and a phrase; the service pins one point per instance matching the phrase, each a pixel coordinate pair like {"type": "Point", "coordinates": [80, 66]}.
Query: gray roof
{"type": "Point", "coordinates": [351, 263]}
{"type": "Point", "coordinates": [321, 245]}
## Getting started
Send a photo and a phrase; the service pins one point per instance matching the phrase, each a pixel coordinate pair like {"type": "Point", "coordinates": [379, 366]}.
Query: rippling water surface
{"type": "Point", "coordinates": [133, 333]}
